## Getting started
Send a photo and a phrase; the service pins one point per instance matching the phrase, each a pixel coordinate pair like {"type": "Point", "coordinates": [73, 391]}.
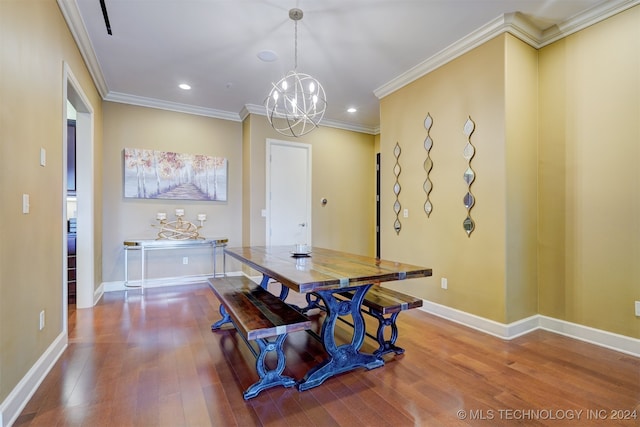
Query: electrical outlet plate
{"type": "Point", "coordinates": [42, 320]}
{"type": "Point", "coordinates": [185, 260]}
{"type": "Point", "coordinates": [444, 284]}
{"type": "Point", "coordinates": [638, 308]}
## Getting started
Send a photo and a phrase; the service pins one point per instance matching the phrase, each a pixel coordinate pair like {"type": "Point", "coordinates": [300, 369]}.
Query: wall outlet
{"type": "Point", "coordinates": [444, 283]}
{"type": "Point", "coordinates": [42, 320]}
{"type": "Point", "coordinates": [185, 260]}
{"type": "Point", "coordinates": [406, 213]}
{"type": "Point", "coordinates": [638, 308]}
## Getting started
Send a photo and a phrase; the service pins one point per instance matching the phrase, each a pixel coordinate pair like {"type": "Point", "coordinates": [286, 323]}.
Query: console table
{"type": "Point", "coordinates": [144, 245]}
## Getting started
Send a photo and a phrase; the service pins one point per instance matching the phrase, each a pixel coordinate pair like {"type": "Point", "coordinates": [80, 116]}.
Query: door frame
{"type": "Point", "coordinates": [378, 190]}
{"type": "Point", "coordinates": [307, 147]}
{"type": "Point", "coordinates": [85, 259]}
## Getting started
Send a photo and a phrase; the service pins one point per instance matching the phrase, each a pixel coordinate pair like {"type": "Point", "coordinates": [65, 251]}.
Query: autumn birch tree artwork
{"type": "Point", "coordinates": [151, 174]}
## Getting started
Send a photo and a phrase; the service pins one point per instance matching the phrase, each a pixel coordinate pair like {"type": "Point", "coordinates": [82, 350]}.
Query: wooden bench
{"type": "Point", "coordinates": [262, 317]}
{"type": "Point", "coordinates": [385, 305]}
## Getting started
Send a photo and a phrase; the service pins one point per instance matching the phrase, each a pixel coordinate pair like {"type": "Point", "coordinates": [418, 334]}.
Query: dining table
{"type": "Point", "coordinates": [328, 275]}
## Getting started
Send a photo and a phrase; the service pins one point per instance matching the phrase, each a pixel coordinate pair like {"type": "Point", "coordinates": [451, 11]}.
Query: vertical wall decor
{"type": "Point", "coordinates": [469, 176]}
{"type": "Point", "coordinates": [428, 165]}
{"type": "Point", "coordinates": [396, 188]}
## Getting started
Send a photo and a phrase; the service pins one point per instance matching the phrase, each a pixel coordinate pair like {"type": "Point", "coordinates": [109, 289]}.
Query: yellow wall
{"type": "Point", "coordinates": [343, 169]}
{"type": "Point", "coordinates": [34, 44]}
{"type": "Point", "coordinates": [589, 187]}
{"type": "Point", "coordinates": [557, 195]}
{"type": "Point", "coordinates": [347, 216]}
{"type": "Point", "coordinates": [521, 150]}
{"type": "Point", "coordinates": [128, 126]}
{"type": "Point", "coordinates": [471, 85]}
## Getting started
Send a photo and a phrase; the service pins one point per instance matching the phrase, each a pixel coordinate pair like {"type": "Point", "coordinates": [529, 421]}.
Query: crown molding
{"type": "Point", "coordinates": [472, 40]}
{"type": "Point", "coordinates": [260, 111]}
{"type": "Point", "coordinates": [71, 14]}
{"type": "Point", "coordinates": [585, 19]}
{"type": "Point", "coordinates": [171, 106]}
{"type": "Point", "coordinates": [512, 23]}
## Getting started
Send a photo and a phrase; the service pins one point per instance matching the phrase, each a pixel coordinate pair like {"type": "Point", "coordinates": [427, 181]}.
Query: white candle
{"type": "Point", "coordinates": [161, 216]}
{"type": "Point", "coordinates": [179, 212]}
{"type": "Point", "coordinates": [202, 217]}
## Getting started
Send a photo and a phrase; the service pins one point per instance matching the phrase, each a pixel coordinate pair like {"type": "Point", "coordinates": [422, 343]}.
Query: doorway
{"type": "Point", "coordinates": [85, 277]}
{"type": "Point", "coordinates": [72, 203]}
{"type": "Point", "coordinates": [288, 193]}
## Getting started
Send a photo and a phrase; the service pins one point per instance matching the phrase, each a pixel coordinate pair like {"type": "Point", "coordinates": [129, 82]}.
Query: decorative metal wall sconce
{"type": "Point", "coordinates": [469, 176]}
{"type": "Point", "coordinates": [428, 165]}
{"type": "Point", "coordinates": [396, 188]}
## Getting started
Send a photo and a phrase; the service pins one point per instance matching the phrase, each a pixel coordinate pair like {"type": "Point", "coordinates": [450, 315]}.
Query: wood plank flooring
{"type": "Point", "coordinates": [151, 359]}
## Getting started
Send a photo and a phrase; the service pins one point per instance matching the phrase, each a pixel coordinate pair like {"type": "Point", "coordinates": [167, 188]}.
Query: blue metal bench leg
{"type": "Point", "coordinates": [269, 378]}
{"type": "Point", "coordinates": [313, 301]}
{"type": "Point", "coordinates": [264, 284]}
{"type": "Point", "coordinates": [225, 319]}
{"type": "Point", "coordinates": [387, 346]}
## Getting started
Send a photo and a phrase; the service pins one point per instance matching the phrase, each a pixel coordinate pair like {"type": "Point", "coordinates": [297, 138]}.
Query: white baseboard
{"type": "Point", "coordinates": [621, 343]}
{"type": "Point", "coordinates": [510, 331]}
{"type": "Point", "coordinates": [154, 283]}
{"type": "Point", "coordinates": [13, 405]}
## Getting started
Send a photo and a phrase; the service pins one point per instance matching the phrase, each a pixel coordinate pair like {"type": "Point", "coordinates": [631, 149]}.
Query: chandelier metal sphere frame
{"type": "Point", "coordinates": [297, 102]}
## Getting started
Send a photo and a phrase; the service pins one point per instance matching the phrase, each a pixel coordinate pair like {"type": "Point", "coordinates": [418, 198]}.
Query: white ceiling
{"type": "Point", "coordinates": [359, 50]}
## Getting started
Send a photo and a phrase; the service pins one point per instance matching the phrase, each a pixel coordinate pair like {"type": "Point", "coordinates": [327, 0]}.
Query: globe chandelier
{"type": "Point", "coordinates": [297, 102]}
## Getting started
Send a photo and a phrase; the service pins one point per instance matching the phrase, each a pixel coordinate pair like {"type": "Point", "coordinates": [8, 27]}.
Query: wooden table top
{"type": "Point", "coordinates": [323, 268]}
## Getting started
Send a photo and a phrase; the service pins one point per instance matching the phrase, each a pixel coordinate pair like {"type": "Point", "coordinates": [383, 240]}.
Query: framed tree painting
{"type": "Point", "coordinates": [151, 174]}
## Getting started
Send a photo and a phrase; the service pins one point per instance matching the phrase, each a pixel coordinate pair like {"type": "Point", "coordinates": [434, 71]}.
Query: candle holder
{"type": "Point", "coordinates": [178, 229]}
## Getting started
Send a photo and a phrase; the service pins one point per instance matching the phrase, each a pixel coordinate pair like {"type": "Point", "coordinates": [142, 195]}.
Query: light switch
{"type": "Point", "coordinates": [43, 157]}
{"type": "Point", "coordinates": [25, 203]}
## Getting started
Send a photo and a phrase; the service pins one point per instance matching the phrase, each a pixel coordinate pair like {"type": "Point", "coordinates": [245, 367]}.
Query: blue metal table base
{"type": "Point", "coordinates": [345, 357]}
{"type": "Point", "coordinates": [386, 346]}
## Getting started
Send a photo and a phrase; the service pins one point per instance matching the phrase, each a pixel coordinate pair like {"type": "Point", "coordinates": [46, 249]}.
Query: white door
{"type": "Point", "coordinates": [288, 191]}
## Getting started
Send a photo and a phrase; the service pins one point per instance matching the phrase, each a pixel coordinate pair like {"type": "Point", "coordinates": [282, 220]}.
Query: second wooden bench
{"type": "Point", "coordinates": [262, 317]}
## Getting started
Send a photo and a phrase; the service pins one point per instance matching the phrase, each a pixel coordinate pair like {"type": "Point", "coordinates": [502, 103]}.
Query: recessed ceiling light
{"type": "Point", "coordinates": [267, 55]}
{"type": "Point", "coordinates": [351, 110]}
{"type": "Point", "coordinates": [184, 86]}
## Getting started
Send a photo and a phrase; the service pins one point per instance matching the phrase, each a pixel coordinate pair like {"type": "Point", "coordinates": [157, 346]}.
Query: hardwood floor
{"type": "Point", "coordinates": [152, 360]}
